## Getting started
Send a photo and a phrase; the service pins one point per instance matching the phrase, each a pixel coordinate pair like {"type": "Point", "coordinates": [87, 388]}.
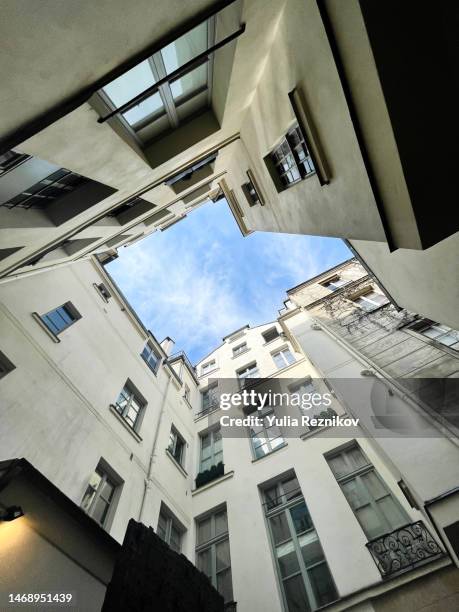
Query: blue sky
{"type": "Point", "coordinates": [201, 279]}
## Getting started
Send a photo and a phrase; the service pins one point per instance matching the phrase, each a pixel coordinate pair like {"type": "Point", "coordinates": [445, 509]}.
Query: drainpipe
{"type": "Point", "coordinates": [147, 480]}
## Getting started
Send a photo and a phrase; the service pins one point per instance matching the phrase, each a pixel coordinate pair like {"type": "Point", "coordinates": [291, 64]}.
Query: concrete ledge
{"type": "Point", "coordinates": [209, 485]}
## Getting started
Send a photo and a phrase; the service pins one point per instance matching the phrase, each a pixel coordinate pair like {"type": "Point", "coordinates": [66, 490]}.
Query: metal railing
{"type": "Point", "coordinates": [404, 549]}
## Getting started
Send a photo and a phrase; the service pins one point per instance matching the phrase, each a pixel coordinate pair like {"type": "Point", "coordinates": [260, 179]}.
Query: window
{"type": "Point", "coordinates": [301, 565]}
{"type": "Point", "coordinates": [370, 301]}
{"type": "Point", "coordinates": [5, 365]}
{"type": "Point", "coordinates": [283, 358]}
{"type": "Point", "coordinates": [250, 371]}
{"type": "Point", "coordinates": [173, 100]}
{"type": "Point", "coordinates": [335, 283]}
{"type": "Point", "coordinates": [99, 496]}
{"type": "Point", "coordinates": [291, 159]}
{"type": "Point", "coordinates": [239, 349]}
{"type": "Point", "coordinates": [251, 193]}
{"type": "Point", "coordinates": [130, 405]}
{"type": "Point", "coordinates": [208, 366]}
{"type": "Point", "coordinates": [213, 552]}
{"type": "Point", "coordinates": [187, 393]}
{"type": "Point", "coordinates": [265, 438]}
{"type": "Point", "coordinates": [60, 318]}
{"type": "Point", "coordinates": [437, 331]}
{"type": "Point", "coordinates": [10, 160]}
{"type": "Point", "coordinates": [169, 530]}
{"type": "Point", "coordinates": [176, 446]}
{"type": "Point", "coordinates": [209, 398]}
{"type": "Point", "coordinates": [374, 506]}
{"type": "Point", "coordinates": [102, 291]}
{"type": "Point", "coordinates": [211, 450]}
{"type": "Point", "coordinates": [270, 334]}
{"type": "Point", "coordinates": [51, 188]}
{"type": "Point", "coordinates": [151, 357]}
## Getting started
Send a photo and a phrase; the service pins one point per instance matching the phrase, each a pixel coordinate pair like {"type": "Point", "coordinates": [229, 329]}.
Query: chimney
{"type": "Point", "coordinates": [167, 345]}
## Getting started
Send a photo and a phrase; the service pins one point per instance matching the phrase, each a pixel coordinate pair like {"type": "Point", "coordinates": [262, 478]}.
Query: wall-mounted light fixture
{"type": "Point", "coordinates": [10, 513]}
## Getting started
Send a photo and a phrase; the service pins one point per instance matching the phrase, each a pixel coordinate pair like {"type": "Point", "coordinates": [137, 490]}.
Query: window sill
{"type": "Point", "coordinates": [271, 453]}
{"type": "Point", "coordinates": [52, 335]}
{"type": "Point", "coordinates": [211, 484]}
{"type": "Point", "coordinates": [176, 463]}
{"type": "Point", "coordinates": [133, 433]}
{"type": "Point", "coordinates": [317, 430]}
{"type": "Point", "coordinates": [206, 374]}
{"type": "Point", "coordinates": [279, 337]}
{"type": "Point", "coordinates": [241, 353]}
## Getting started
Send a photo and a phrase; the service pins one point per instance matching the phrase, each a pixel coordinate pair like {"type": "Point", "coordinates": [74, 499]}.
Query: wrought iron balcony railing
{"type": "Point", "coordinates": [230, 606]}
{"type": "Point", "coordinates": [404, 549]}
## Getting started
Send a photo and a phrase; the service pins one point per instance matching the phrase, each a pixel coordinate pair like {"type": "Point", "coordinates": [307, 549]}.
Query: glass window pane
{"type": "Point", "coordinates": [189, 83]}
{"type": "Point", "coordinates": [175, 539]}
{"type": "Point", "coordinates": [221, 523]}
{"type": "Point", "coordinates": [88, 498]}
{"type": "Point", "coordinates": [224, 585]}
{"type": "Point", "coordinates": [261, 450]}
{"type": "Point", "coordinates": [130, 84]}
{"type": "Point", "coordinates": [392, 512]}
{"type": "Point", "coordinates": [291, 488]}
{"type": "Point", "coordinates": [310, 548]}
{"type": "Point", "coordinates": [279, 528]}
{"type": "Point", "coordinates": [356, 458]}
{"type": "Point", "coordinates": [338, 465]}
{"type": "Point", "coordinates": [374, 485]}
{"type": "Point", "coordinates": [295, 594]}
{"type": "Point", "coordinates": [185, 48]}
{"type": "Point", "coordinates": [151, 106]}
{"type": "Point", "coordinates": [204, 531]}
{"type": "Point", "coordinates": [222, 555]}
{"type": "Point", "coordinates": [107, 490]}
{"type": "Point", "coordinates": [356, 495]}
{"type": "Point", "coordinates": [288, 559]}
{"type": "Point", "coordinates": [322, 584]}
{"type": "Point", "coordinates": [204, 562]}
{"type": "Point", "coordinates": [100, 510]}
{"type": "Point", "coordinates": [301, 519]}
{"type": "Point", "coordinates": [162, 527]}
{"type": "Point", "coordinates": [370, 522]}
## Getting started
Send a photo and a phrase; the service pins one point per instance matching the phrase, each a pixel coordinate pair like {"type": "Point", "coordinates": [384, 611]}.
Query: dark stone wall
{"type": "Point", "coordinates": [149, 576]}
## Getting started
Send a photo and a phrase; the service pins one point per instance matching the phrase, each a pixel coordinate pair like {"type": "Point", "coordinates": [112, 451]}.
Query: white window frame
{"type": "Point", "coordinates": [355, 475]}
{"type": "Point", "coordinates": [208, 366]}
{"type": "Point", "coordinates": [134, 395]}
{"type": "Point", "coordinates": [285, 502]}
{"type": "Point", "coordinates": [265, 435]}
{"type": "Point", "coordinates": [211, 546]}
{"type": "Point", "coordinates": [147, 352]}
{"type": "Point", "coordinates": [213, 462]}
{"type": "Point", "coordinates": [240, 349]}
{"type": "Point", "coordinates": [177, 440]}
{"type": "Point", "coordinates": [106, 476]}
{"type": "Point", "coordinates": [280, 352]}
{"type": "Point", "coordinates": [171, 523]}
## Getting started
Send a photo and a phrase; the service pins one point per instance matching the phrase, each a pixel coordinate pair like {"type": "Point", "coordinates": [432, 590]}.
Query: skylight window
{"type": "Point", "coordinates": [175, 99]}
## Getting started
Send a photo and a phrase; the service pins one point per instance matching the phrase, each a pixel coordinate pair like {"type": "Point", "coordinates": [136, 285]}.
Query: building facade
{"type": "Point", "coordinates": [297, 112]}
{"type": "Point", "coordinates": [279, 518]}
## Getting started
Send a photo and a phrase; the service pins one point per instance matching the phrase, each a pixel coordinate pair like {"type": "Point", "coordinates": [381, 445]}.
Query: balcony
{"type": "Point", "coordinates": [404, 549]}
{"type": "Point", "coordinates": [230, 606]}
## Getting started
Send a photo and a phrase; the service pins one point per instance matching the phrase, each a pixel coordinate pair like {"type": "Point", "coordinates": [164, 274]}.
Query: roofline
{"type": "Point", "coordinates": [314, 278]}
{"type": "Point", "coordinates": [247, 326]}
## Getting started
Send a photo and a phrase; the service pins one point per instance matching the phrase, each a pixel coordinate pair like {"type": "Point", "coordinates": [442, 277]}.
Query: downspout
{"type": "Point", "coordinates": [147, 481]}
